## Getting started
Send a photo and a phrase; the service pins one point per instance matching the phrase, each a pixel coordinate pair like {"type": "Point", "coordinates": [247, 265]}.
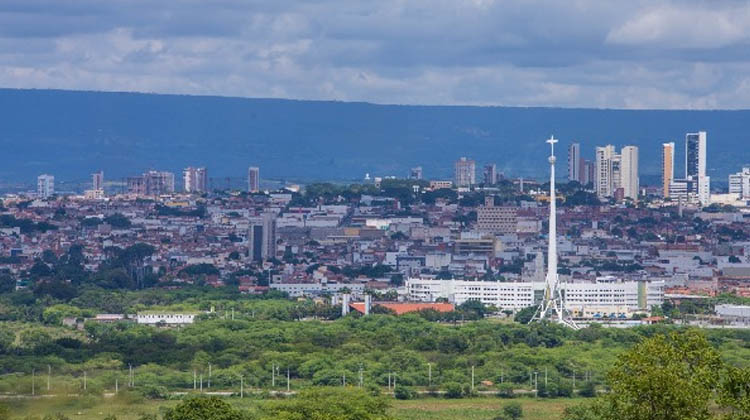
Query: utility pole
{"type": "Point", "coordinates": [536, 384]}
{"type": "Point", "coordinates": [49, 374]}
{"type": "Point", "coordinates": [545, 377]}
{"type": "Point", "coordinates": [472, 377]}
{"type": "Point", "coordinates": [273, 375]}
{"type": "Point", "coordinates": [429, 374]}
{"type": "Point", "coordinates": [343, 381]}
{"type": "Point", "coordinates": [33, 382]}
{"type": "Point", "coordinates": [84, 380]}
{"type": "Point", "coordinates": [394, 382]}
{"type": "Point", "coordinates": [232, 314]}
{"type": "Point", "coordinates": [117, 385]}
{"type": "Point", "coordinates": [242, 386]}
{"type": "Point", "coordinates": [389, 381]}
{"type": "Point", "coordinates": [195, 380]}
{"type": "Point", "coordinates": [287, 380]}
{"type": "Point", "coordinates": [201, 377]}
{"type": "Point", "coordinates": [209, 376]}
{"type": "Point", "coordinates": [501, 376]}
{"type": "Point", "coordinates": [361, 377]}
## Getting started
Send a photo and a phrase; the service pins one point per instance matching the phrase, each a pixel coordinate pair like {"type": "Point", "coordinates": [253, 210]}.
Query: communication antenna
{"type": "Point", "coordinates": [552, 306]}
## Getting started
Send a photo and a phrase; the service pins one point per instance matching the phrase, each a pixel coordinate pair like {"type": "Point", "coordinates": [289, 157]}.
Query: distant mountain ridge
{"type": "Point", "coordinates": [73, 133]}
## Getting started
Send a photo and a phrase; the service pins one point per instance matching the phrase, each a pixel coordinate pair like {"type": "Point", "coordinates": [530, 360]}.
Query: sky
{"type": "Point", "coordinates": [630, 54]}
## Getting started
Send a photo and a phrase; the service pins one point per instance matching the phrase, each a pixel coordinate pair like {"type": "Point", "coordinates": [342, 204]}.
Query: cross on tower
{"type": "Point", "coordinates": [552, 140]}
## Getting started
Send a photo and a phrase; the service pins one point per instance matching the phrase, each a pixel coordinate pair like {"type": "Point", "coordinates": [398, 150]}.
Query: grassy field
{"type": "Point", "coordinates": [131, 408]}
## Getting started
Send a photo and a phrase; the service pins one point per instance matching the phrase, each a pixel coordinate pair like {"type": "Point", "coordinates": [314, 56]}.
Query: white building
{"type": "Point", "coordinates": [629, 180]}
{"type": "Point", "coordinates": [606, 294]}
{"type": "Point", "coordinates": [739, 183]}
{"type": "Point", "coordinates": [603, 179]}
{"type": "Point", "coordinates": [195, 179]}
{"type": "Point", "coordinates": [695, 164]}
{"type": "Point", "coordinates": [45, 185]}
{"type": "Point", "coordinates": [465, 172]}
{"type": "Point", "coordinates": [171, 319]}
{"type": "Point", "coordinates": [317, 289]}
{"type": "Point", "coordinates": [574, 163]}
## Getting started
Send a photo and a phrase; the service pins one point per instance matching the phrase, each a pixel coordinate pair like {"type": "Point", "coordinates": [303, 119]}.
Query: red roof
{"type": "Point", "coordinates": [402, 308]}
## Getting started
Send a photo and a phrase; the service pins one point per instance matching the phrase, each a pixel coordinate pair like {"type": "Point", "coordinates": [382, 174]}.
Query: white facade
{"type": "Point", "coordinates": [45, 185]}
{"type": "Point", "coordinates": [739, 183]}
{"type": "Point", "coordinates": [629, 180]}
{"type": "Point", "coordinates": [695, 164]}
{"type": "Point", "coordinates": [603, 182]}
{"type": "Point", "coordinates": [316, 289]}
{"type": "Point", "coordinates": [574, 162]}
{"type": "Point", "coordinates": [164, 318]}
{"type": "Point", "coordinates": [465, 172]}
{"type": "Point", "coordinates": [195, 180]}
{"type": "Point", "coordinates": [518, 295]}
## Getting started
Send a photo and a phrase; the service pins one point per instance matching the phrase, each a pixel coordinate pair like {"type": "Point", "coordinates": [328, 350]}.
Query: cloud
{"type": "Point", "coordinates": [583, 53]}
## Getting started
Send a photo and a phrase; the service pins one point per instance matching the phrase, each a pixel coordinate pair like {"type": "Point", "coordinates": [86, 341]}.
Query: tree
{"type": "Point", "coordinates": [734, 393]}
{"type": "Point", "coordinates": [665, 377]}
{"type": "Point", "coordinates": [7, 282]}
{"type": "Point", "coordinates": [7, 338]}
{"type": "Point", "coordinates": [328, 404]}
{"type": "Point", "coordinates": [403, 393]}
{"type": "Point", "coordinates": [453, 390]}
{"type": "Point", "coordinates": [524, 315]}
{"type": "Point", "coordinates": [118, 221]}
{"type": "Point", "coordinates": [203, 408]}
{"type": "Point", "coordinates": [511, 411]}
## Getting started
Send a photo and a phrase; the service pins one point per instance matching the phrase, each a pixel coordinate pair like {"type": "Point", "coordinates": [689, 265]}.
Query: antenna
{"type": "Point", "coordinates": [553, 303]}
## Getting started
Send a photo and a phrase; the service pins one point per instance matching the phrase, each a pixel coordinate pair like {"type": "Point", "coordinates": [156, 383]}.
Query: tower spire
{"type": "Point", "coordinates": [553, 304]}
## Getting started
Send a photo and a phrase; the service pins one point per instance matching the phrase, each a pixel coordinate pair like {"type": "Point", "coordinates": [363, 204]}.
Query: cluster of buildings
{"type": "Point", "coordinates": [695, 186]}
{"type": "Point", "coordinates": [151, 183]}
{"type": "Point", "coordinates": [615, 260]}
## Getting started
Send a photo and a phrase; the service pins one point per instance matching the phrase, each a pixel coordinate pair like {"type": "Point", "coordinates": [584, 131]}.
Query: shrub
{"type": "Point", "coordinates": [505, 390]}
{"type": "Point", "coordinates": [403, 393]}
{"type": "Point", "coordinates": [453, 390]}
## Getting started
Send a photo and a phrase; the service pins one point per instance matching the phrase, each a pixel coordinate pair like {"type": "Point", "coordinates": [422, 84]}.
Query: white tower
{"type": "Point", "coordinates": [552, 306]}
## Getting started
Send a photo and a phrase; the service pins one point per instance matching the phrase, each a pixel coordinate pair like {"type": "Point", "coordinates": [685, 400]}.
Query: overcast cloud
{"type": "Point", "coordinates": [574, 53]}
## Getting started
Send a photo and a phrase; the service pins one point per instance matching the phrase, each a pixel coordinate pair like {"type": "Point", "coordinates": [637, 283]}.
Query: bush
{"type": "Point", "coordinates": [505, 390]}
{"type": "Point", "coordinates": [588, 390]}
{"type": "Point", "coordinates": [403, 393]}
{"type": "Point", "coordinates": [453, 390]}
{"type": "Point", "coordinates": [511, 411]}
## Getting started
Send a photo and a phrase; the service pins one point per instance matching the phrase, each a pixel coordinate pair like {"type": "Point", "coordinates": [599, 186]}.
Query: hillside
{"type": "Point", "coordinates": [71, 134]}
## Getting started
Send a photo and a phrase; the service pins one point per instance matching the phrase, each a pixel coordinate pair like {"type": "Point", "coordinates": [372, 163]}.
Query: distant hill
{"type": "Point", "coordinates": [70, 134]}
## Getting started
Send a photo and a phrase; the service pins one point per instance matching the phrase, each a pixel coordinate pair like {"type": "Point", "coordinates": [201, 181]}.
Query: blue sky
{"type": "Point", "coordinates": [575, 53]}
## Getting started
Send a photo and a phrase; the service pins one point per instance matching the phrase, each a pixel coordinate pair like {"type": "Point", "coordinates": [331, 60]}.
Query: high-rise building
{"type": "Point", "coordinates": [490, 174]}
{"type": "Point", "coordinates": [415, 173]}
{"type": "Point", "coordinates": [575, 164]}
{"type": "Point", "coordinates": [97, 181]}
{"type": "Point", "coordinates": [262, 237]}
{"type": "Point", "coordinates": [195, 179]}
{"type": "Point", "coordinates": [629, 180]}
{"type": "Point", "coordinates": [667, 167]}
{"type": "Point", "coordinates": [465, 172]}
{"type": "Point", "coordinates": [739, 183]}
{"type": "Point", "coordinates": [603, 177]}
{"type": "Point", "coordinates": [253, 179]}
{"type": "Point", "coordinates": [45, 185]}
{"type": "Point", "coordinates": [588, 173]}
{"type": "Point", "coordinates": [695, 165]}
{"type": "Point", "coordinates": [151, 183]}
